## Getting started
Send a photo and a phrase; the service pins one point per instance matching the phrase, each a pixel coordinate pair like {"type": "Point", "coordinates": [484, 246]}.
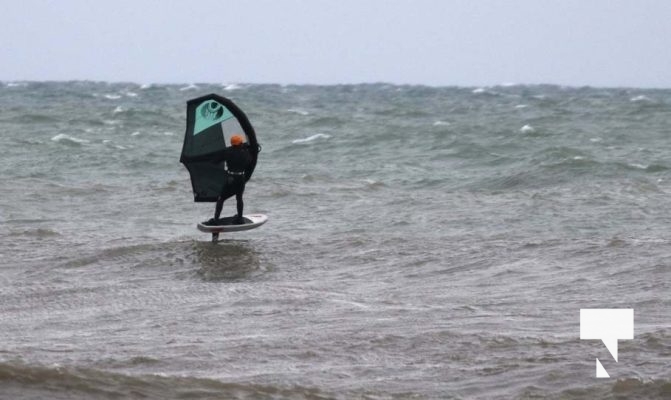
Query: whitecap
{"type": "Point", "coordinates": [145, 86]}
{"type": "Point", "coordinates": [231, 86]}
{"type": "Point", "coordinates": [311, 138]}
{"type": "Point", "coordinates": [298, 111]}
{"type": "Point", "coordinates": [527, 129]}
{"type": "Point", "coordinates": [17, 84]}
{"type": "Point", "coordinates": [373, 184]}
{"type": "Point", "coordinates": [638, 166]}
{"type": "Point", "coordinates": [596, 140]}
{"type": "Point", "coordinates": [479, 90]}
{"type": "Point", "coordinates": [136, 133]}
{"type": "Point", "coordinates": [189, 87]}
{"type": "Point", "coordinates": [168, 133]}
{"type": "Point", "coordinates": [131, 94]}
{"type": "Point", "coordinates": [520, 106]}
{"type": "Point", "coordinates": [640, 98]}
{"type": "Point", "coordinates": [441, 123]}
{"type": "Point", "coordinates": [578, 158]}
{"type": "Point", "coordinates": [119, 109]}
{"type": "Point", "coordinates": [112, 96]}
{"type": "Point", "coordinates": [62, 137]}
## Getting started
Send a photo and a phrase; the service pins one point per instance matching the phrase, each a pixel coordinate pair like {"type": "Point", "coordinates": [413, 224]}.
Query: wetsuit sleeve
{"type": "Point", "coordinates": [248, 158]}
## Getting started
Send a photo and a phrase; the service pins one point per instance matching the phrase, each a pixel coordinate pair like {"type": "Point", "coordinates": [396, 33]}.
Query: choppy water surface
{"type": "Point", "coordinates": [422, 243]}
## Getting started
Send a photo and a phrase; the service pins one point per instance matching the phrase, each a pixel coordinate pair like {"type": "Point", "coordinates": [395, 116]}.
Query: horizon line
{"type": "Point", "coordinates": [363, 83]}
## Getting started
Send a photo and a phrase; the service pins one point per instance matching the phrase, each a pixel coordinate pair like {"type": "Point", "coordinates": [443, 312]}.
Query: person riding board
{"type": "Point", "coordinates": [237, 160]}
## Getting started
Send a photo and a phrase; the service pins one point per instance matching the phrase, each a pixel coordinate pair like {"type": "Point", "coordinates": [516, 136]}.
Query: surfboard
{"type": "Point", "coordinates": [226, 224]}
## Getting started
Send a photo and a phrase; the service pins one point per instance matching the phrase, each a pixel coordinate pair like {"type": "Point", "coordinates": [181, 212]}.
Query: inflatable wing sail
{"type": "Point", "coordinates": [210, 122]}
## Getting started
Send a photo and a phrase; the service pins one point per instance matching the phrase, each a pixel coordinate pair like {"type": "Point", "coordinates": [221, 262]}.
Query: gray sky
{"type": "Point", "coordinates": [432, 42]}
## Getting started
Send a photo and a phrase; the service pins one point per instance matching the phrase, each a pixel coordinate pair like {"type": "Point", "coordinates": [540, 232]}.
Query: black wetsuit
{"type": "Point", "coordinates": [237, 160]}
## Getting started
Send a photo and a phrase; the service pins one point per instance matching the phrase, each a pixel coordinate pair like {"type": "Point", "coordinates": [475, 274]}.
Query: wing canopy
{"type": "Point", "coordinates": [211, 120]}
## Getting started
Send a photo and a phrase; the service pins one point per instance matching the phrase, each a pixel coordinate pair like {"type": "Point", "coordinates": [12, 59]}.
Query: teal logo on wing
{"type": "Point", "coordinates": [210, 113]}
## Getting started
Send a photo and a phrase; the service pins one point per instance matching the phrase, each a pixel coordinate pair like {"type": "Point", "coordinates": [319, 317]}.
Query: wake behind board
{"type": "Point", "coordinates": [227, 224]}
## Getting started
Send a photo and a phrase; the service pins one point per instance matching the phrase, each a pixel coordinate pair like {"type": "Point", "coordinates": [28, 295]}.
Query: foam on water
{"type": "Point", "coordinates": [61, 137]}
{"type": "Point", "coordinates": [298, 111]}
{"type": "Point", "coordinates": [640, 98]}
{"type": "Point", "coordinates": [527, 129]}
{"type": "Point", "coordinates": [16, 84]}
{"type": "Point", "coordinates": [311, 138]}
{"type": "Point", "coordinates": [189, 87]}
{"type": "Point", "coordinates": [231, 86]}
